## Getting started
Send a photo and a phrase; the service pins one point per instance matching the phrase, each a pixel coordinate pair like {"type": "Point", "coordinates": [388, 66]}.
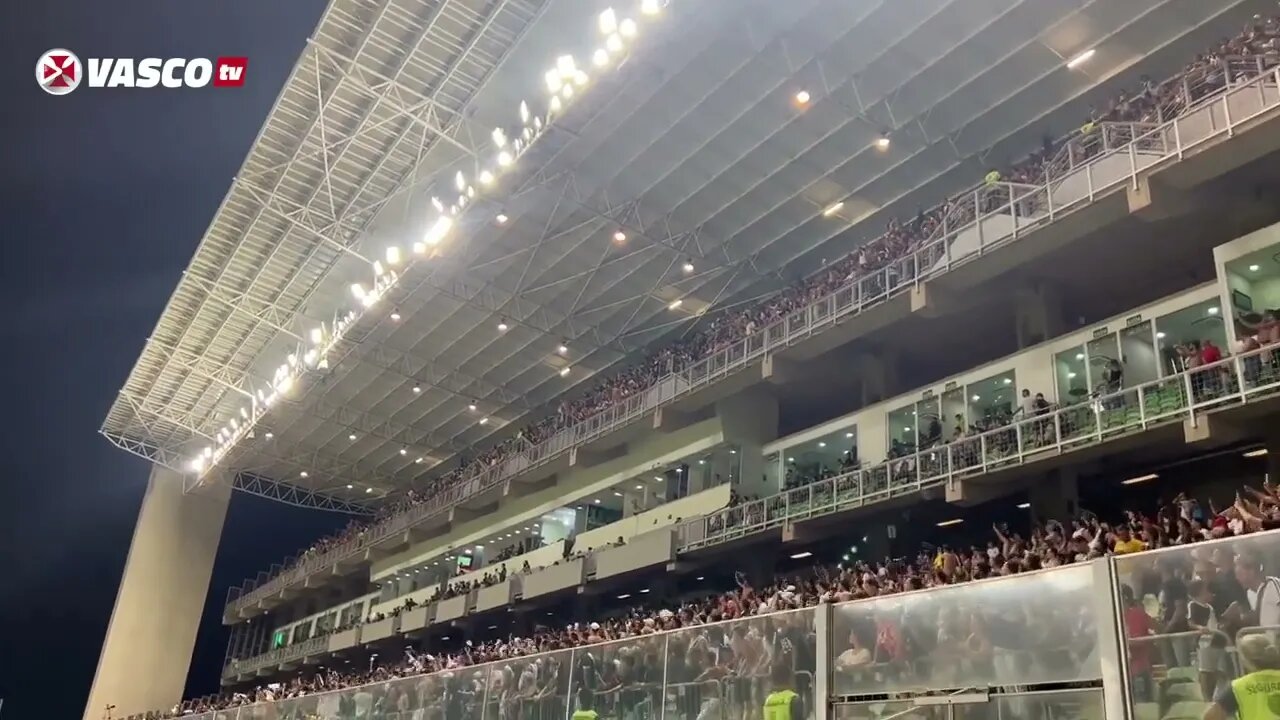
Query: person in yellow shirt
{"type": "Point", "coordinates": [1126, 543]}
{"type": "Point", "coordinates": [1256, 695]}
{"type": "Point", "coordinates": [783, 703]}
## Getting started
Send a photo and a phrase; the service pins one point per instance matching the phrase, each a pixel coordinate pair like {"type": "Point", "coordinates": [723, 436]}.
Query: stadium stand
{"type": "Point", "coordinates": [1196, 603]}
{"type": "Point", "coordinates": [889, 261]}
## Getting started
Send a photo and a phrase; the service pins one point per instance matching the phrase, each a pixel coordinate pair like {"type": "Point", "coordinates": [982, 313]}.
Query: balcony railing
{"type": "Point", "coordinates": [1185, 396]}
{"type": "Point", "coordinates": [987, 218]}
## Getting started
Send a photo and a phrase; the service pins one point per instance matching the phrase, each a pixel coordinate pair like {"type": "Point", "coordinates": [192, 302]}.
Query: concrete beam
{"type": "Point", "coordinates": [1152, 200]}
{"type": "Point", "coordinates": [512, 489]}
{"type": "Point", "coordinates": [667, 419]}
{"type": "Point", "coordinates": [930, 299]}
{"type": "Point", "coordinates": [583, 458]}
{"type": "Point", "coordinates": [461, 514]}
{"type": "Point", "coordinates": [780, 371]}
{"type": "Point", "coordinates": [966, 493]}
{"type": "Point", "coordinates": [1039, 313]}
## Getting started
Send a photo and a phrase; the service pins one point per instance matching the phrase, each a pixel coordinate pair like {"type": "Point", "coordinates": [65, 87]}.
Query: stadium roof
{"type": "Point", "coordinates": [688, 166]}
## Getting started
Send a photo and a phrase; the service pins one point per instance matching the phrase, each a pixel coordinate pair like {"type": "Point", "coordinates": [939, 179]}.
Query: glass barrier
{"type": "Point", "coordinates": [1187, 614]}
{"type": "Point", "coordinates": [1019, 630]}
{"type": "Point", "coordinates": [1085, 704]}
{"type": "Point", "coordinates": [718, 671]}
{"type": "Point", "coordinates": [1016, 210]}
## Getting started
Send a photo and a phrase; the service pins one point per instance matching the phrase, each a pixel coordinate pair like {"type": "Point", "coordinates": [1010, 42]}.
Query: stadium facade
{"type": "Point", "coordinates": [393, 292]}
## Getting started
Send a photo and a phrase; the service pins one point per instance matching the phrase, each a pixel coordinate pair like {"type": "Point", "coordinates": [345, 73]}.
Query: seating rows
{"type": "Point", "coordinates": [1018, 609]}
{"type": "Point", "coordinates": [1207, 74]}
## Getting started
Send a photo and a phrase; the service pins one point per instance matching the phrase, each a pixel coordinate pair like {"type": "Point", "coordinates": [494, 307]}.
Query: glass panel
{"type": "Point", "coordinates": [727, 669]}
{"type": "Point", "coordinates": [1073, 381]}
{"type": "Point", "coordinates": [1021, 630]}
{"type": "Point", "coordinates": [902, 431]}
{"type": "Point", "coordinates": [621, 679]}
{"type": "Point", "coordinates": [929, 423]}
{"type": "Point", "coordinates": [991, 401]}
{"type": "Point", "coordinates": [1106, 374]}
{"type": "Point", "coordinates": [1183, 335]}
{"type": "Point", "coordinates": [534, 687]}
{"type": "Point", "coordinates": [1064, 705]}
{"type": "Point", "coordinates": [896, 709]}
{"type": "Point", "coordinates": [1186, 611]}
{"type": "Point", "coordinates": [955, 414]}
{"type": "Point", "coordinates": [1138, 355]}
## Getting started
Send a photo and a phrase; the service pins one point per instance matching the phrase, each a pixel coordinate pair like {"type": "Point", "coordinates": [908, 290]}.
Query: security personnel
{"type": "Point", "coordinates": [585, 710]}
{"type": "Point", "coordinates": [783, 703]}
{"type": "Point", "coordinates": [993, 177]}
{"type": "Point", "coordinates": [1256, 695]}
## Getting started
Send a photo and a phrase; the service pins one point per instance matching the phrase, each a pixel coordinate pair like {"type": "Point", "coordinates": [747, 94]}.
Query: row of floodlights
{"type": "Point", "coordinates": [564, 81]}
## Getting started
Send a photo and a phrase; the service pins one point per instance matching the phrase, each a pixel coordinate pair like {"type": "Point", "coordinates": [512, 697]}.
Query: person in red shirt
{"type": "Point", "coordinates": [1137, 624]}
{"type": "Point", "coordinates": [1209, 353]}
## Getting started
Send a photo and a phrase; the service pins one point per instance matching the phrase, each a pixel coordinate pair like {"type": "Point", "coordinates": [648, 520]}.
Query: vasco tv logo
{"type": "Point", "coordinates": [59, 71]}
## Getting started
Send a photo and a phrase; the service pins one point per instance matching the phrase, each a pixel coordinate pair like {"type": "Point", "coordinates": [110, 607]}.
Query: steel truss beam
{"type": "Point", "coordinates": [347, 237]}
{"type": "Point", "coordinates": [289, 494]}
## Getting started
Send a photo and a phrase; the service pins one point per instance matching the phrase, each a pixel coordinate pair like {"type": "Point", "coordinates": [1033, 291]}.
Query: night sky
{"type": "Point", "coordinates": [105, 194]}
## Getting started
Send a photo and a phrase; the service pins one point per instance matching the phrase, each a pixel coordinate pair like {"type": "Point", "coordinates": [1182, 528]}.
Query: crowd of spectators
{"type": "Point", "coordinates": [1151, 101]}
{"type": "Point", "coordinates": [1227, 578]}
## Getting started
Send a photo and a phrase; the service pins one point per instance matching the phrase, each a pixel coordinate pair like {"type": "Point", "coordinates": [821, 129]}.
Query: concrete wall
{"type": "Point", "coordinates": [703, 503]}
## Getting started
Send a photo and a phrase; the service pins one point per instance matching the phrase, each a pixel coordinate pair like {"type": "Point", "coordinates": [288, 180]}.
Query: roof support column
{"type": "Point", "coordinates": [749, 420]}
{"type": "Point", "coordinates": [152, 632]}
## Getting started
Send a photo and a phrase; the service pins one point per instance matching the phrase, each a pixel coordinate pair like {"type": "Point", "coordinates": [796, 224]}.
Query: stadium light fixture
{"type": "Point", "coordinates": [368, 491]}
{"type": "Point", "coordinates": [303, 474]}
{"type": "Point", "coordinates": [803, 97]}
{"type": "Point", "coordinates": [350, 486]}
{"type": "Point", "coordinates": [564, 348]}
{"type": "Point", "coordinates": [501, 218]}
{"type": "Point", "coordinates": [1140, 479]}
{"type": "Point", "coordinates": [619, 236]}
{"type": "Point", "coordinates": [419, 461]}
{"type": "Point", "coordinates": [417, 389]}
{"type": "Point", "coordinates": [502, 325]}
{"type": "Point", "coordinates": [949, 523]}
{"type": "Point", "coordinates": [1024, 506]}
{"type": "Point", "coordinates": [801, 555]}
{"type": "Point", "coordinates": [484, 420]}
{"type": "Point", "coordinates": [607, 21]}
{"type": "Point", "coordinates": [564, 371]}
{"type": "Point", "coordinates": [687, 267]}
{"type": "Point", "coordinates": [675, 304]}
{"type": "Point", "coordinates": [561, 79]}
{"type": "Point", "coordinates": [404, 451]}
{"type": "Point", "coordinates": [1260, 452]}
{"type": "Point", "coordinates": [832, 209]}
{"type": "Point", "coordinates": [351, 437]}
{"type": "Point", "coordinates": [1254, 268]}
{"type": "Point", "coordinates": [1080, 59]}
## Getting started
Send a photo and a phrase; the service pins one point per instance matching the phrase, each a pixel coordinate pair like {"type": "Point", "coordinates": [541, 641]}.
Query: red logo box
{"type": "Point", "coordinates": [229, 71]}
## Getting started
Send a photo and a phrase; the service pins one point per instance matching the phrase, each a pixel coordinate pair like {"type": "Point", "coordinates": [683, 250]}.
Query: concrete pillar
{"type": "Point", "coordinates": [1038, 314]}
{"type": "Point", "coordinates": [878, 374]}
{"type": "Point", "coordinates": [749, 420]}
{"type": "Point", "coordinates": [152, 632]}
{"type": "Point", "coordinates": [1055, 496]}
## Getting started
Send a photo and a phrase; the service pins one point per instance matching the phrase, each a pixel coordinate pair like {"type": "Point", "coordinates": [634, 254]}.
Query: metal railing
{"type": "Point", "coordinates": [1002, 214]}
{"type": "Point", "coordinates": [1180, 397]}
